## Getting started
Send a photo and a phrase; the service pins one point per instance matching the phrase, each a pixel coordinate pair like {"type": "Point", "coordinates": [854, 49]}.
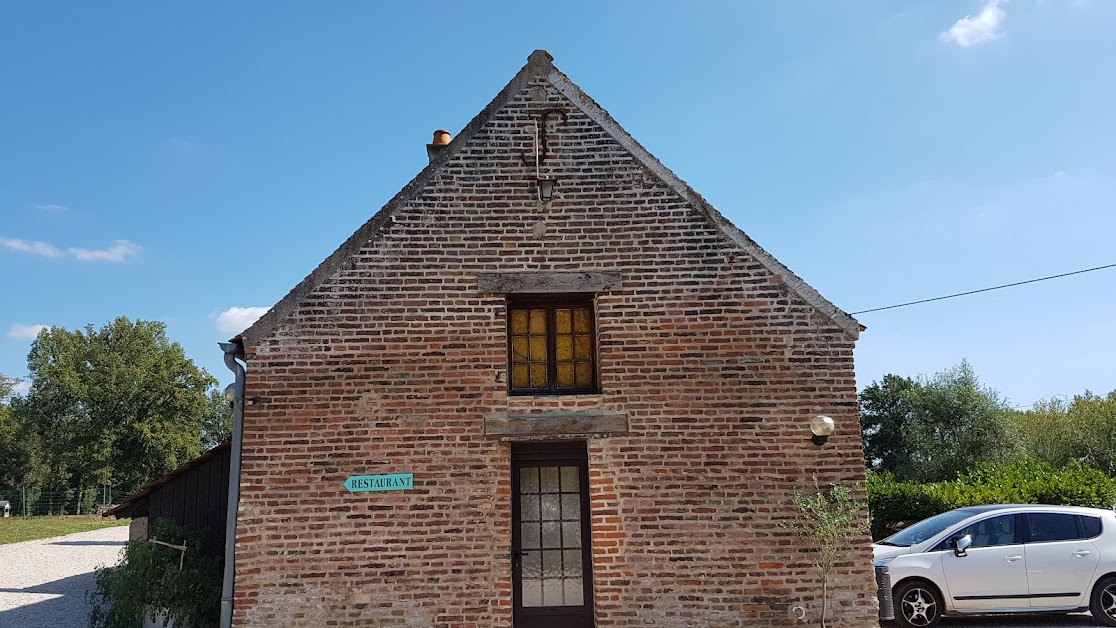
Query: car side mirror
{"type": "Point", "coordinates": [961, 546]}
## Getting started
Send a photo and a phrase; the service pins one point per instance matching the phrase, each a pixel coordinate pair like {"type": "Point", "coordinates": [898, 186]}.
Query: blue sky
{"type": "Point", "coordinates": [174, 161]}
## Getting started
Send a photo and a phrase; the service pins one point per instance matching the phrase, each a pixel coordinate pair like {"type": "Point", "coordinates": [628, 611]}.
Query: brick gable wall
{"type": "Point", "coordinates": [392, 364]}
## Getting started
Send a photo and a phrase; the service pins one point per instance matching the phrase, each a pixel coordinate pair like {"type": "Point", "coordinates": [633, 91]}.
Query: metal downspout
{"type": "Point", "coordinates": [236, 392]}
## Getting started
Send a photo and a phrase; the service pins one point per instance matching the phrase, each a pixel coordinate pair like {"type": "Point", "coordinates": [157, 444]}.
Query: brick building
{"type": "Point", "coordinates": [590, 410]}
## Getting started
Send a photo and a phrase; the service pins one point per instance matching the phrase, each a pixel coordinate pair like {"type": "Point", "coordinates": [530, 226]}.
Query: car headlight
{"type": "Point", "coordinates": [880, 562]}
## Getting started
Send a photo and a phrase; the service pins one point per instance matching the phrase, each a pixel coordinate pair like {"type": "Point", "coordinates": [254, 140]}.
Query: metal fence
{"type": "Point", "coordinates": [28, 501]}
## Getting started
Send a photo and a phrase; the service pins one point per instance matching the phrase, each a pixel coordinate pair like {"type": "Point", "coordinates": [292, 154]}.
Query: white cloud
{"type": "Point", "coordinates": [20, 389]}
{"type": "Point", "coordinates": [236, 319]}
{"type": "Point", "coordinates": [42, 249]}
{"type": "Point", "coordinates": [970, 31]}
{"type": "Point", "coordinates": [52, 208]}
{"type": "Point", "coordinates": [118, 252]}
{"type": "Point", "coordinates": [25, 332]}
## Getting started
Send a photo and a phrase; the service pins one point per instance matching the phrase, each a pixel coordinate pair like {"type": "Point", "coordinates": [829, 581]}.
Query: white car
{"type": "Point", "coordinates": [1002, 559]}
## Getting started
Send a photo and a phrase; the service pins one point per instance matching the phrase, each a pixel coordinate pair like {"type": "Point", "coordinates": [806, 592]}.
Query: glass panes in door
{"type": "Point", "coordinates": [552, 581]}
{"type": "Point", "coordinates": [551, 544]}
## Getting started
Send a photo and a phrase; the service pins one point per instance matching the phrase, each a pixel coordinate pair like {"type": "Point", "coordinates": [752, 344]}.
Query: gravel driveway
{"type": "Point", "coordinates": [43, 583]}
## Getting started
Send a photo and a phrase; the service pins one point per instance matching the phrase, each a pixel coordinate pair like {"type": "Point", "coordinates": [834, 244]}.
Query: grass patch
{"type": "Point", "coordinates": [16, 529]}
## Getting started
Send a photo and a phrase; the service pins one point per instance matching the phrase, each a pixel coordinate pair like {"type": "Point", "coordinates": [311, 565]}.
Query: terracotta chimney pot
{"type": "Point", "coordinates": [442, 137]}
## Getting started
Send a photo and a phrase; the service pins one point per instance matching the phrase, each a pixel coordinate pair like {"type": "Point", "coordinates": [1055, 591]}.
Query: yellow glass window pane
{"type": "Point", "coordinates": [582, 348]}
{"type": "Point", "coordinates": [538, 348]}
{"type": "Point", "coordinates": [562, 321]}
{"type": "Point", "coordinates": [538, 322]}
{"type": "Point", "coordinates": [520, 377]}
{"type": "Point", "coordinates": [581, 320]}
{"type": "Point", "coordinates": [519, 349]}
{"type": "Point", "coordinates": [584, 376]}
{"type": "Point", "coordinates": [551, 347]}
{"type": "Point", "coordinates": [538, 376]}
{"type": "Point", "coordinates": [564, 349]}
{"type": "Point", "coordinates": [519, 321]}
{"type": "Point", "coordinates": [566, 375]}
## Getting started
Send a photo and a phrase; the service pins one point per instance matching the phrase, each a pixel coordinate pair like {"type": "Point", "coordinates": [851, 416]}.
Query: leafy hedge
{"type": "Point", "coordinates": [150, 580]}
{"type": "Point", "coordinates": [1021, 482]}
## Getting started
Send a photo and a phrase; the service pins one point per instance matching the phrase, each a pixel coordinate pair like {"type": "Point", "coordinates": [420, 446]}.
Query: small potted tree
{"type": "Point", "coordinates": [828, 522]}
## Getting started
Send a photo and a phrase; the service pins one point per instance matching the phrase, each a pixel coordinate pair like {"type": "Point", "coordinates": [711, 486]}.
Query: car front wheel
{"type": "Point", "coordinates": [1102, 604]}
{"type": "Point", "coordinates": [917, 605]}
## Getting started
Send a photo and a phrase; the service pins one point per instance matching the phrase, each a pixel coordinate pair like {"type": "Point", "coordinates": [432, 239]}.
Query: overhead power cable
{"type": "Point", "coordinates": [1007, 285]}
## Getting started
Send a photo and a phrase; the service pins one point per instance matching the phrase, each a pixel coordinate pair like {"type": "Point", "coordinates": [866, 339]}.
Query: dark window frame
{"type": "Point", "coordinates": [552, 302]}
{"type": "Point", "coordinates": [528, 455]}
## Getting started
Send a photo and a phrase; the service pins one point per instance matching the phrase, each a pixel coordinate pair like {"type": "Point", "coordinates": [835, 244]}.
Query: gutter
{"type": "Point", "coordinates": [235, 394]}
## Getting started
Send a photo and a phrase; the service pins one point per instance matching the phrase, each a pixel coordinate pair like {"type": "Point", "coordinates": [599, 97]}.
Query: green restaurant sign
{"type": "Point", "coordinates": [393, 482]}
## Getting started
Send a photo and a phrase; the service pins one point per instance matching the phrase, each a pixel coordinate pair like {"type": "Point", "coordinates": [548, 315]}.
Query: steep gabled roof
{"type": "Point", "coordinates": [541, 64]}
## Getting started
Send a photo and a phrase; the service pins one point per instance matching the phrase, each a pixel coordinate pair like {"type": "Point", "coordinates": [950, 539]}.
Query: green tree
{"type": "Point", "coordinates": [217, 421]}
{"type": "Point", "coordinates": [7, 386]}
{"type": "Point", "coordinates": [117, 405]}
{"type": "Point", "coordinates": [830, 522]}
{"type": "Point", "coordinates": [933, 428]}
{"type": "Point", "coordinates": [13, 448]}
{"type": "Point", "coordinates": [886, 411]}
{"type": "Point", "coordinates": [1062, 432]}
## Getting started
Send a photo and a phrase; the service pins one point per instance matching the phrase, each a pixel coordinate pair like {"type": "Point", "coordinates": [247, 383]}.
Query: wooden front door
{"type": "Point", "coordinates": [552, 583]}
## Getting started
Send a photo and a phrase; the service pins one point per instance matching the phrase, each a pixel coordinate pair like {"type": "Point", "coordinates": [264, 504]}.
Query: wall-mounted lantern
{"type": "Point", "coordinates": [546, 189]}
{"type": "Point", "coordinates": [545, 184]}
{"type": "Point", "coordinates": [822, 428]}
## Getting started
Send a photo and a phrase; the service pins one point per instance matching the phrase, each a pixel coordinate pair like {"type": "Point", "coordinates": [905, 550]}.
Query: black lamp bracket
{"type": "Point", "coordinates": [541, 138]}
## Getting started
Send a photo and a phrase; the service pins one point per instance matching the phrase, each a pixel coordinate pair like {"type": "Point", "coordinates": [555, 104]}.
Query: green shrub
{"type": "Point", "coordinates": [1029, 482]}
{"type": "Point", "coordinates": [1019, 482]}
{"type": "Point", "coordinates": [890, 501]}
{"type": "Point", "coordinates": [150, 579]}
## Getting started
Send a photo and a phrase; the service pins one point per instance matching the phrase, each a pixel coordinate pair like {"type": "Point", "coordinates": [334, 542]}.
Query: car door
{"type": "Point", "coordinates": [993, 573]}
{"type": "Point", "coordinates": [1060, 558]}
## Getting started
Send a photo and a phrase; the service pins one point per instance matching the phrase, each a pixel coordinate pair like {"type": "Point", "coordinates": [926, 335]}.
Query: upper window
{"type": "Point", "coordinates": [1090, 526]}
{"type": "Point", "coordinates": [992, 532]}
{"type": "Point", "coordinates": [1052, 526]}
{"type": "Point", "coordinates": [550, 346]}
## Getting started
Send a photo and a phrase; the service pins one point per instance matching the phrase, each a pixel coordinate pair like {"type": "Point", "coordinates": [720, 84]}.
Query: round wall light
{"type": "Point", "coordinates": [822, 427]}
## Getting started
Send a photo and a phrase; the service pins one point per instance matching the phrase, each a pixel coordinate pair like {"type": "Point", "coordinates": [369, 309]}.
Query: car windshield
{"type": "Point", "coordinates": [925, 529]}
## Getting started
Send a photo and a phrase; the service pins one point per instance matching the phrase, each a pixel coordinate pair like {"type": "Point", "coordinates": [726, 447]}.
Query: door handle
{"type": "Point", "coordinates": [1012, 559]}
{"type": "Point", "coordinates": [1082, 553]}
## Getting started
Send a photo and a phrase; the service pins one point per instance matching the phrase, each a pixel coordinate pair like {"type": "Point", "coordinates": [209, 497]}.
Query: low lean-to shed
{"type": "Point", "coordinates": [195, 496]}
